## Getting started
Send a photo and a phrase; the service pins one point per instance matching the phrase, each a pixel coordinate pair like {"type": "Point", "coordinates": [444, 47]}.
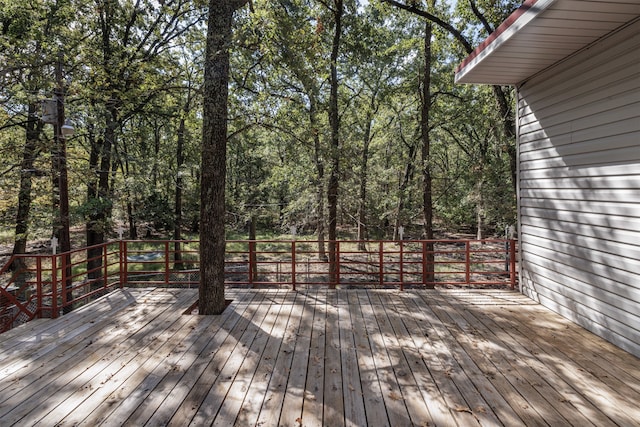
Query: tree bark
{"type": "Point", "coordinates": [334, 123]}
{"type": "Point", "coordinates": [123, 161]}
{"type": "Point", "coordinates": [156, 155]}
{"type": "Point", "coordinates": [364, 163]}
{"type": "Point", "coordinates": [509, 129]}
{"type": "Point", "coordinates": [63, 189]}
{"type": "Point", "coordinates": [29, 153]}
{"type": "Point", "coordinates": [214, 154]}
{"type": "Point", "coordinates": [362, 204]}
{"type": "Point", "coordinates": [177, 219]}
{"type": "Point", "coordinates": [100, 157]}
{"type": "Point", "coordinates": [402, 188]}
{"type": "Point", "coordinates": [426, 155]}
{"type": "Point", "coordinates": [317, 155]}
{"type": "Point", "coordinates": [98, 195]}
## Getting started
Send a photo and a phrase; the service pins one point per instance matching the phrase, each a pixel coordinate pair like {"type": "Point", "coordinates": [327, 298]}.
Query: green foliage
{"type": "Point", "coordinates": [136, 68]}
{"type": "Point", "coordinates": [157, 210]}
{"type": "Point", "coordinates": [93, 205]}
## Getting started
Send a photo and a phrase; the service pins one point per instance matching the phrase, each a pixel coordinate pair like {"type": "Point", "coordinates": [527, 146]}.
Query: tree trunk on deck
{"type": "Point", "coordinates": [214, 154]}
{"type": "Point", "coordinates": [334, 122]}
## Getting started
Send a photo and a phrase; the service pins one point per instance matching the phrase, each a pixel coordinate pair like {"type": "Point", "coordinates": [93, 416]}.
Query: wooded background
{"type": "Point", "coordinates": [342, 113]}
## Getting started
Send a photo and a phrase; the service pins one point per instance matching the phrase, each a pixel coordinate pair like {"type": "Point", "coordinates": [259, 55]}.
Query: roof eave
{"type": "Point", "coordinates": [522, 16]}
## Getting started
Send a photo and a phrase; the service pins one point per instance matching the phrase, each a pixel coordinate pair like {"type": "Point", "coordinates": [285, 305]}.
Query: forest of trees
{"type": "Point", "coordinates": [343, 118]}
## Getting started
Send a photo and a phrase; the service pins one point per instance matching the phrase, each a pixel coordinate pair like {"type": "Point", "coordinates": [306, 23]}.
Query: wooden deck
{"type": "Point", "coordinates": [315, 358]}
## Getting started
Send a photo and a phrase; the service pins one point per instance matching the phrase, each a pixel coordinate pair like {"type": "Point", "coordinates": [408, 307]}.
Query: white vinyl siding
{"type": "Point", "coordinates": [579, 187]}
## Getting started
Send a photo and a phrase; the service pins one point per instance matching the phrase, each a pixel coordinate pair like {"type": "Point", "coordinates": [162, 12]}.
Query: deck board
{"type": "Point", "coordinates": [373, 399]}
{"type": "Point", "coordinates": [313, 358]}
{"type": "Point", "coordinates": [407, 388]}
{"type": "Point", "coordinates": [162, 397]}
{"type": "Point", "coordinates": [539, 390]}
{"type": "Point", "coordinates": [488, 357]}
{"type": "Point", "coordinates": [435, 369]}
{"type": "Point", "coordinates": [351, 385]}
{"type": "Point", "coordinates": [312, 404]}
{"type": "Point", "coordinates": [591, 385]}
{"type": "Point", "coordinates": [294, 393]}
{"type": "Point", "coordinates": [391, 392]}
{"type": "Point", "coordinates": [281, 367]}
{"type": "Point", "coordinates": [210, 389]}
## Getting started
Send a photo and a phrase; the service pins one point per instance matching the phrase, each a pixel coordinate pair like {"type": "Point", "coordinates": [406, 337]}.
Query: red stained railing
{"type": "Point", "coordinates": [50, 285]}
{"type": "Point", "coordinates": [383, 264]}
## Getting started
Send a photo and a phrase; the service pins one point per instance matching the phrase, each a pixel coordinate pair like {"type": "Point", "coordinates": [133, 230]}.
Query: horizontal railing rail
{"type": "Point", "coordinates": [48, 285]}
{"type": "Point", "coordinates": [383, 263]}
{"type": "Point", "coordinates": [39, 285]}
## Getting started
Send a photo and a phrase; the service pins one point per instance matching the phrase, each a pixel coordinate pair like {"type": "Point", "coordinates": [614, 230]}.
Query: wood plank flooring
{"type": "Point", "coordinates": [315, 358]}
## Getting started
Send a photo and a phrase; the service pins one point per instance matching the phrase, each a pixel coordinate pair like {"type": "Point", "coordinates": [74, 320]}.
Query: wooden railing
{"type": "Point", "coordinates": [50, 285]}
{"type": "Point", "coordinates": [38, 285]}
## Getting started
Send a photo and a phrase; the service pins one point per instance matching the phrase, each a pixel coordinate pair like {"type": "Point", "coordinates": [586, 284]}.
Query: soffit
{"type": "Point", "coordinates": [541, 33]}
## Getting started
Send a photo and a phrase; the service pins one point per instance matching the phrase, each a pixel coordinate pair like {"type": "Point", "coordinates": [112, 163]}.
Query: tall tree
{"type": "Point", "coordinates": [501, 94]}
{"type": "Point", "coordinates": [334, 122]}
{"type": "Point", "coordinates": [373, 53]}
{"type": "Point", "coordinates": [133, 39]}
{"type": "Point", "coordinates": [180, 159]}
{"type": "Point", "coordinates": [427, 181]}
{"type": "Point", "coordinates": [26, 32]}
{"type": "Point", "coordinates": [298, 45]}
{"type": "Point", "coordinates": [214, 155]}
{"type": "Point", "coordinates": [33, 128]}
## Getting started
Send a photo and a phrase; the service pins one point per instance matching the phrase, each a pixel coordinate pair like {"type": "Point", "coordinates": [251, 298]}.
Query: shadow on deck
{"type": "Point", "coordinates": [314, 358]}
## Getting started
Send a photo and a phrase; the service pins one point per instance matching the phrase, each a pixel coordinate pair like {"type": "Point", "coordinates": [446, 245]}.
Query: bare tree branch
{"type": "Point", "coordinates": [481, 17]}
{"type": "Point", "coordinates": [10, 169]}
{"type": "Point", "coordinates": [439, 22]}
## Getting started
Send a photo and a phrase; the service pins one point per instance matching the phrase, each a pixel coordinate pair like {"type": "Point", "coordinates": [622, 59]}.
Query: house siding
{"type": "Point", "coordinates": [579, 187]}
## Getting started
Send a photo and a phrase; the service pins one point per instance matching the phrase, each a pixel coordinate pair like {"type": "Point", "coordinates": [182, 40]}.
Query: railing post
{"type": "Point", "coordinates": [167, 276]}
{"type": "Point", "coordinates": [293, 264]}
{"type": "Point", "coordinates": [105, 264]}
{"type": "Point", "coordinates": [39, 290]}
{"type": "Point", "coordinates": [337, 262]}
{"type": "Point", "coordinates": [467, 257]}
{"type": "Point", "coordinates": [424, 263]}
{"type": "Point", "coordinates": [65, 290]}
{"type": "Point", "coordinates": [512, 256]}
{"type": "Point", "coordinates": [381, 258]}
{"type": "Point", "coordinates": [120, 263]}
{"type": "Point", "coordinates": [54, 287]}
{"type": "Point", "coordinates": [401, 265]}
{"type": "Point", "coordinates": [252, 261]}
{"type": "Point", "coordinates": [124, 263]}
